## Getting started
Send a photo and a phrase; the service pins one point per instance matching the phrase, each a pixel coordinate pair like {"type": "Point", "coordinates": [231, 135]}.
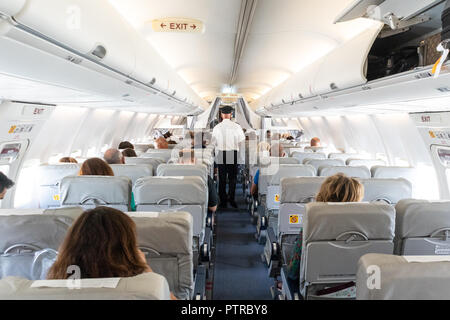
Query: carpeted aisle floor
{"type": "Point", "coordinates": [239, 272]}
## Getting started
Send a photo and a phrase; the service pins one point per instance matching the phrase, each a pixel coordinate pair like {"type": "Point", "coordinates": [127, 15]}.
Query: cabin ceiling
{"type": "Point", "coordinates": [284, 36]}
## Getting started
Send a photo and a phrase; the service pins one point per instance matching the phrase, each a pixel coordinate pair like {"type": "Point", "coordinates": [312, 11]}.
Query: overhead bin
{"type": "Point", "coordinates": [92, 34]}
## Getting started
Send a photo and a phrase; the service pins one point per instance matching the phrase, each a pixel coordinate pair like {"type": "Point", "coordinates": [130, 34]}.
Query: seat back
{"type": "Point", "coordinates": [390, 191]}
{"type": "Point", "coordinates": [390, 277]}
{"type": "Point", "coordinates": [296, 192]}
{"type": "Point", "coordinates": [369, 163]}
{"type": "Point", "coordinates": [422, 227]}
{"type": "Point", "coordinates": [284, 160]}
{"type": "Point", "coordinates": [166, 240]}
{"type": "Point", "coordinates": [301, 156]}
{"type": "Point", "coordinates": [49, 179]}
{"type": "Point", "coordinates": [92, 191]}
{"type": "Point", "coordinates": [132, 171]}
{"type": "Point", "coordinates": [154, 162]}
{"type": "Point", "coordinates": [146, 286]}
{"type": "Point", "coordinates": [162, 194]}
{"type": "Point", "coordinates": [284, 171]}
{"type": "Point", "coordinates": [408, 173]}
{"type": "Point", "coordinates": [165, 154]}
{"type": "Point", "coordinates": [354, 172]}
{"type": "Point", "coordinates": [314, 149]}
{"type": "Point", "coordinates": [343, 156]}
{"type": "Point", "coordinates": [182, 170]}
{"type": "Point", "coordinates": [336, 235]}
{"type": "Point", "coordinates": [317, 163]}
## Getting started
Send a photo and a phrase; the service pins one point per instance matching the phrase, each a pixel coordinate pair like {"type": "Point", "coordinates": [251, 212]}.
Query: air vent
{"type": "Point", "coordinates": [300, 96]}
{"type": "Point", "coordinates": [366, 88]}
{"type": "Point", "coordinates": [152, 82]}
{"type": "Point", "coordinates": [174, 92]}
{"type": "Point", "coordinates": [99, 52]}
{"type": "Point", "coordinates": [423, 75]}
{"type": "Point", "coordinates": [75, 60]}
{"type": "Point", "coordinates": [333, 86]}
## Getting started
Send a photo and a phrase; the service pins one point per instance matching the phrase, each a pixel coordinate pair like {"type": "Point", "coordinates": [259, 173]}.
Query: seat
{"type": "Point", "coordinates": [166, 240]}
{"type": "Point", "coordinates": [343, 156]}
{"type": "Point", "coordinates": [390, 191]}
{"type": "Point", "coordinates": [154, 162]}
{"type": "Point", "coordinates": [369, 163]}
{"type": "Point", "coordinates": [308, 155]}
{"type": "Point", "coordinates": [335, 236]}
{"type": "Point", "coordinates": [132, 171]}
{"type": "Point", "coordinates": [92, 191]}
{"type": "Point", "coordinates": [354, 172]}
{"type": "Point", "coordinates": [391, 277]}
{"type": "Point", "coordinates": [165, 154]}
{"type": "Point", "coordinates": [422, 227]}
{"type": "Point", "coordinates": [190, 194]}
{"type": "Point", "coordinates": [317, 163]}
{"type": "Point", "coordinates": [49, 179]}
{"type": "Point", "coordinates": [284, 160]}
{"type": "Point", "coordinates": [385, 172]}
{"type": "Point", "coordinates": [146, 286]}
{"type": "Point", "coordinates": [180, 170]}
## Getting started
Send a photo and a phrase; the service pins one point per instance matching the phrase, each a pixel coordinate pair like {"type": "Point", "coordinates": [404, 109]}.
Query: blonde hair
{"type": "Point", "coordinates": [263, 146]}
{"type": "Point", "coordinates": [340, 188]}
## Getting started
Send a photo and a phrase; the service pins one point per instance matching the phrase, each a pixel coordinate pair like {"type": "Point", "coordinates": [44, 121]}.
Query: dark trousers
{"type": "Point", "coordinates": [228, 167]}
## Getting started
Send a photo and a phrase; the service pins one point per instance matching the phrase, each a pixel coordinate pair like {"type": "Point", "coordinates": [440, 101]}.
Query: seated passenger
{"type": "Point", "coordinates": [68, 160]}
{"type": "Point", "coordinates": [337, 188]}
{"type": "Point", "coordinates": [315, 142]}
{"type": "Point", "coordinates": [114, 156]}
{"type": "Point", "coordinates": [161, 143]}
{"type": "Point", "coordinates": [5, 184]}
{"type": "Point", "coordinates": [125, 145]}
{"type": "Point", "coordinates": [101, 243]}
{"type": "Point", "coordinates": [276, 150]}
{"type": "Point", "coordinates": [187, 156]}
{"type": "Point", "coordinates": [129, 153]}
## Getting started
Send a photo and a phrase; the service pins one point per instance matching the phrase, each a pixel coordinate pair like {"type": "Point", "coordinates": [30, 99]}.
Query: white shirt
{"type": "Point", "coordinates": [227, 136]}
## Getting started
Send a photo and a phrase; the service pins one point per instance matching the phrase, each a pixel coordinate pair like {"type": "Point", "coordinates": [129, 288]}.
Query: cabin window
{"type": "Point", "coordinates": [444, 156]}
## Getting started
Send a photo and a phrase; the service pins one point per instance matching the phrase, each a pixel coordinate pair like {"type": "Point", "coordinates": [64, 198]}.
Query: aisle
{"type": "Point", "coordinates": [239, 272]}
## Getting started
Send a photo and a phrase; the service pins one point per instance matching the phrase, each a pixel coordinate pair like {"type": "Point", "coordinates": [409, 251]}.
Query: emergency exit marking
{"type": "Point", "coordinates": [177, 25]}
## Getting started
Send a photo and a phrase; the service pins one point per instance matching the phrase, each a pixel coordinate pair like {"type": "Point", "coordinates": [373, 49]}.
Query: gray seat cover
{"type": "Point", "coordinates": [181, 170]}
{"type": "Point", "coordinates": [343, 156]}
{"type": "Point", "coordinates": [317, 163]}
{"type": "Point", "coordinates": [92, 191]}
{"type": "Point", "coordinates": [402, 280]}
{"type": "Point", "coordinates": [132, 171]}
{"type": "Point", "coordinates": [390, 190]}
{"type": "Point", "coordinates": [308, 155]}
{"type": "Point", "coordinates": [300, 189]}
{"type": "Point", "coordinates": [146, 286]}
{"type": "Point", "coordinates": [284, 160]}
{"type": "Point", "coordinates": [369, 163]}
{"type": "Point", "coordinates": [355, 172]}
{"type": "Point", "coordinates": [154, 162]}
{"type": "Point", "coordinates": [291, 170]}
{"type": "Point", "coordinates": [165, 154]}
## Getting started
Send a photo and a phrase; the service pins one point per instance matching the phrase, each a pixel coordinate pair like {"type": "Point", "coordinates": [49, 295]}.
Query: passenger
{"type": "Point", "coordinates": [5, 184]}
{"type": "Point", "coordinates": [276, 150]}
{"type": "Point", "coordinates": [95, 167]}
{"type": "Point", "coordinates": [125, 145]}
{"type": "Point", "coordinates": [114, 156]}
{"type": "Point", "coordinates": [68, 160]}
{"type": "Point", "coordinates": [315, 142]}
{"type": "Point", "coordinates": [337, 188]}
{"type": "Point", "coordinates": [161, 143]}
{"type": "Point", "coordinates": [102, 243]}
{"type": "Point", "coordinates": [129, 153]}
{"type": "Point", "coordinates": [187, 156]}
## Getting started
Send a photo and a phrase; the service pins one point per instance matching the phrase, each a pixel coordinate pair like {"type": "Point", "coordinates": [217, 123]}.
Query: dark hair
{"type": "Point", "coordinates": [129, 153]}
{"type": "Point", "coordinates": [102, 242]}
{"type": "Point", "coordinates": [95, 167]}
{"type": "Point", "coordinates": [68, 160]}
{"type": "Point", "coordinates": [126, 145]}
{"type": "Point", "coordinates": [5, 183]}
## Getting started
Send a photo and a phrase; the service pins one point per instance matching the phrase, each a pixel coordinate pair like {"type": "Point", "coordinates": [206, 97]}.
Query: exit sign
{"type": "Point", "coordinates": [177, 25]}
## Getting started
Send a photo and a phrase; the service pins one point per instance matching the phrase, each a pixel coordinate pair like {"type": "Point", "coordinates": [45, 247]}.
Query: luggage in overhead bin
{"type": "Point", "coordinates": [445, 17]}
{"type": "Point", "coordinates": [428, 51]}
{"type": "Point", "coordinates": [396, 61]}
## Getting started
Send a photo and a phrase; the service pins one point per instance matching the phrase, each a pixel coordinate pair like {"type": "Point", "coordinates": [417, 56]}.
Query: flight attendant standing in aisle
{"type": "Point", "coordinates": [226, 138]}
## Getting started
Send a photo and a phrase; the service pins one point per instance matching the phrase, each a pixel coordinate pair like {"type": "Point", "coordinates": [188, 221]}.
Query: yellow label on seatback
{"type": "Point", "coordinates": [294, 219]}
{"type": "Point", "coordinates": [12, 129]}
{"type": "Point", "coordinates": [56, 197]}
{"type": "Point", "coordinates": [277, 198]}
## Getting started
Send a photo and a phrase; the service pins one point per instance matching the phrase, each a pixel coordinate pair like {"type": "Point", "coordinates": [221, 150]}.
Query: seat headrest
{"type": "Point", "coordinates": [52, 174]}
{"type": "Point", "coordinates": [343, 156]}
{"type": "Point", "coordinates": [291, 170]}
{"type": "Point", "coordinates": [146, 286]}
{"type": "Point", "coordinates": [329, 221]}
{"type": "Point", "coordinates": [300, 189]}
{"type": "Point", "coordinates": [310, 155]}
{"type": "Point", "coordinates": [403, 278]}
{"type": "Point", "coordinates": [421, 218]}
{"type": "Point", "coordinates": [91, 191]}
{"type": "Point", "coordinates": [317, 163]}
{"type": "Point", "coordinates": [383, 172]}
{"type": "Point", "coordinates": [354, 172]}
{"type": "Point", "coordinates": [284, 160]}
{"type": "Point", "coordinates": [167, 233]}
{"type": "Point", "coordinates": [369, 163]}
{"type": "Point", "coordinates": [132, 171]}
{"type": "Point", "coordinates": [389, 190]}
{"type": "Point", "coordinates": [180, 170]}
{"type": "Point", "coordinates": [41, 231]}
{"type": "Point", "coordinates": [185, 190]}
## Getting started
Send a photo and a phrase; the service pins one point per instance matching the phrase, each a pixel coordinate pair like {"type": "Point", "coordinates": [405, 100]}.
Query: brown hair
{"type": "Point", "coordinates": [340, 188]}
{"type": "Point", "coordinates": [102, 242]}
{"type": "Point", "coordinates": [95, 167]}
{"type": "Point", "coordinates": [129, 153]}
{"type": "Point", "coordinates": [68, 160]}
{"type": "Point", "coordinates": [315, 142]}
{"type": "Point", "coordinates": [125, 145]}
{"type": "Point", "coordinates": [161, 143]}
